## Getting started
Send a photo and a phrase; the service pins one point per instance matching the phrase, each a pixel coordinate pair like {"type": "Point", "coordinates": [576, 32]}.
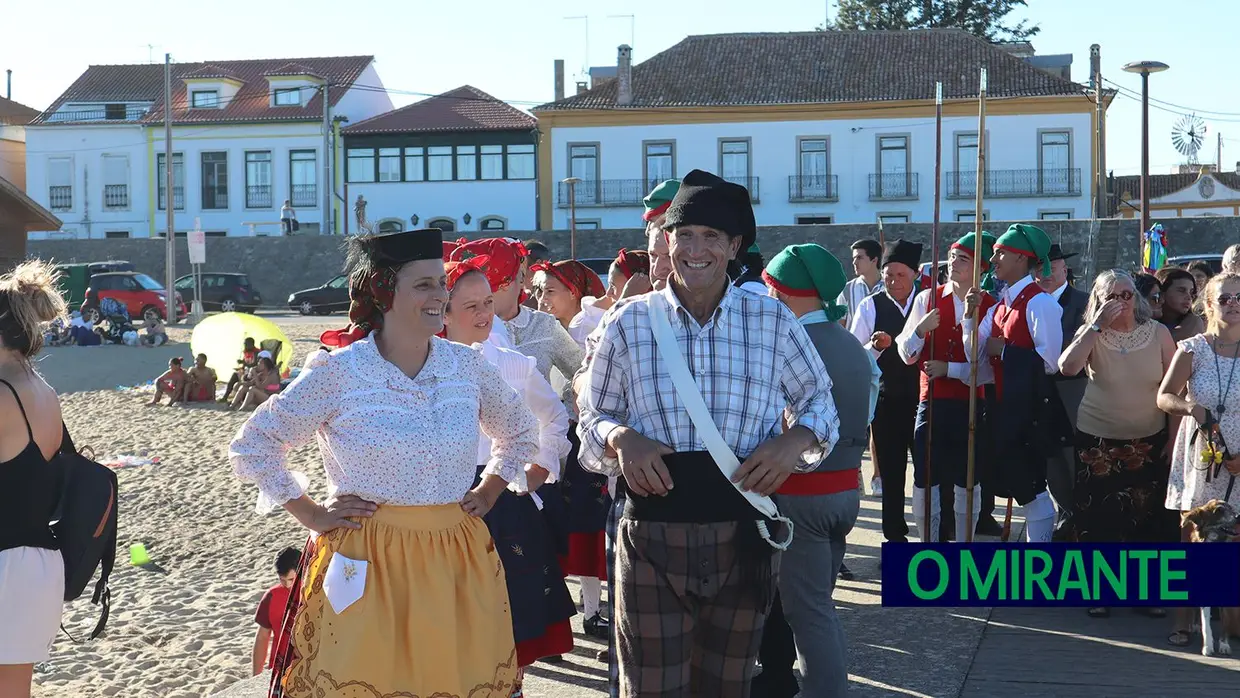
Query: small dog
{"type": "Point", "coordinates": [1215, 522]}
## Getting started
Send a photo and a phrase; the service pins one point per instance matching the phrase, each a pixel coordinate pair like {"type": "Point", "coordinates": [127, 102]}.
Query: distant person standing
{"type": "Point", "coordinates": [288, 217]}
{"type": "Point", "coordinates": [865, 258]}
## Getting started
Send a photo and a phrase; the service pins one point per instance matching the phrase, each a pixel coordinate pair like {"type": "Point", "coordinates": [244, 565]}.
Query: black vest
{"type": "Point", "coordinates": [899, 379]}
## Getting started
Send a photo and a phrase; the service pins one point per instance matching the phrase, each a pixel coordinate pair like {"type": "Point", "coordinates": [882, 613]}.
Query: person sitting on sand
{"type": "Point", "coordinates": [172, 383]}
{"type": "Point", "coordinates": [200, 386]}
{"type": "Point", "coordinates": [262, 384]}
{"type": "Point", "coordinates": [272, 637]}
{"type": "Point", "coordinates": [245, 365]}
{"type": "Point", "coordinates": [156, 334]}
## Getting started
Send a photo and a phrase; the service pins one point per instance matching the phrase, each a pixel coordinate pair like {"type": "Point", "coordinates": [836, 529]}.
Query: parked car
{"type": "Point", "coordinates": [142, 296]}
{"type": "Point", "coordinates": [221, 291]}
{"type": "Point", "coordinates": [329, 298]}
{"type": "Point", "coordinates": [1214, 260]}
{"type": "Point", "coordinates": [74, 278]}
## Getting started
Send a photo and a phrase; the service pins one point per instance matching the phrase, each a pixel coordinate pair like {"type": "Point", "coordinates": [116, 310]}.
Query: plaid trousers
{"type": "Point", "coordinates": [684, 625]}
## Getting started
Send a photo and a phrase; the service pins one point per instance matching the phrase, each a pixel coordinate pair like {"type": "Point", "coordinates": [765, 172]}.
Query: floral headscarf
{"type": "Point", "coordinates": [631, 262]}
{"type": "Point", "coordinates": [503, 258]}
{"type": "Point", "coordinates": [579, 278]}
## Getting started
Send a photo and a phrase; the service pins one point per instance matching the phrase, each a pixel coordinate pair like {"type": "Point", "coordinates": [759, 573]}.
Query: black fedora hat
{"type": "Point", "coordinates": [1058, 253]}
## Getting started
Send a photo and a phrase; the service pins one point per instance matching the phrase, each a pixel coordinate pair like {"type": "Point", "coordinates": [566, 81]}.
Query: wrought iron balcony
{"type": "Point", "coordinates": [813, 188]}
{"type": "Point", "coordinates": [178, 198]}
{"type": "Point", "coordinates": [893, 186]}
{"type": "Point", "coordinates": [258, 196]}
{"type": "Point", "coordinates": [60, 198]}
{"type": "Point", "coordinates": [750, 183]}
{"type": "Point", "coordinates": [116, 196]}
{"type": "Point", "coordinates": [1015, 184]}
{"type": "Point", "coordinates": [304, 195]}
{"type": "Point", "coordinates": [605, 193]}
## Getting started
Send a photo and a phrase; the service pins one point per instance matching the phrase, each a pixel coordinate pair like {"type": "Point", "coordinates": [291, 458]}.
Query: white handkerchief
{"type": "Point", "coordinates": [344, 582]}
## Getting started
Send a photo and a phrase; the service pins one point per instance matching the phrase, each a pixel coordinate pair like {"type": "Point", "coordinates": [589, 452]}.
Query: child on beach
{"type": "Point", "coordinates": [246, 364]}
{"type": "Point", "coordinates": [156, 333]}
{"type": "Point", "coordinates": [272, 638]}
{"type": "Point", "coordinates": [201, 384]}
{"type": "Point", "coordinates": [172, 383]}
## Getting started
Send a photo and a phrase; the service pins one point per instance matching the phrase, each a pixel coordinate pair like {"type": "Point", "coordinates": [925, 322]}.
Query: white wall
{"type": "Point", "coordinates": [361, 104]}
{"type": "Point", "coordinates": [512, 200]}
{"type": "Point", "coordinates": [1012, 144]}
{"type": "Point", "coordinates": [87, 145]}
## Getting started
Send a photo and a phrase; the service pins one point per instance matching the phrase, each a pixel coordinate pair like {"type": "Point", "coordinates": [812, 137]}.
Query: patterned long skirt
{"type": "Point", "coordinates": [1119, 491]}
{"type": "Point", "coordinates": [586, 503]}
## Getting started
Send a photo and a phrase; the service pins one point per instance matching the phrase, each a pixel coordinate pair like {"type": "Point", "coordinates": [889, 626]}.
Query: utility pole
{"type": "Point", "coordinates": [1100, 148]}
{"type": "Point", "coordinates": [170, 264]}
{"type": "Point", "coordinates": [327, 164]}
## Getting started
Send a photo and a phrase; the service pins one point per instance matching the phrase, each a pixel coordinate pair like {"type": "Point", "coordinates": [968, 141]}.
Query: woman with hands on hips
{"type": "Point", "coordinates": [400, 553]}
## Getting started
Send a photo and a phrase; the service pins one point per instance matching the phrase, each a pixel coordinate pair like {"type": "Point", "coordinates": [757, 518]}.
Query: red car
{"type": "Point", "coordinates": [141, 295]}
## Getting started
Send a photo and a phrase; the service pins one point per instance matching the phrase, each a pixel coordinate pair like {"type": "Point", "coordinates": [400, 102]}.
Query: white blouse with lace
{"type": "Point", "coordinates": [384, 436]}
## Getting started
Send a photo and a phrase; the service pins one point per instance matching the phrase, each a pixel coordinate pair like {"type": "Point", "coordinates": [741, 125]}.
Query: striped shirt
{"type": "Point", "coordinates": [751, 360]}
{"type": "Point", "coordinates": [854, 292]}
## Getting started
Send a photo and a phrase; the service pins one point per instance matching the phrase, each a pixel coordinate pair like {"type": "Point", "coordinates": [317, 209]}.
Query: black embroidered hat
{"type": "Point", "coordinates": [904, 252]}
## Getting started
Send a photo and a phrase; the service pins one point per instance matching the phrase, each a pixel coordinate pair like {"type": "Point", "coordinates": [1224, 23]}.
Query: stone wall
{"type": "Point", "coordinates": [277, 266]}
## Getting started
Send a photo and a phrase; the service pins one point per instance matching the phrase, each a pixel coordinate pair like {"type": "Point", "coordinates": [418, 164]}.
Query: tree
{"type": "Point", "coordinates": [985, 19]}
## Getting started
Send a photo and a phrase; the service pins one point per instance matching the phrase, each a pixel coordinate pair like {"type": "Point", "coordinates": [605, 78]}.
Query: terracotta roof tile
{"type": "Point", "coordinates": [145, 83]}
{"type": "Point", "coordinates": [289, 69]}
{"type": "Point", "coordinates": [822, 67]}
{"type": "Point", "coordinates": [464, 109]}
{"type": "Point", "coordinates": [210, 71]}
{"type": "Point", "coordinates": [14, 114]}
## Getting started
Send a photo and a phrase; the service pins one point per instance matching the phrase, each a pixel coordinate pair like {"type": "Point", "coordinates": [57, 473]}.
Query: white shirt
{"type": "Point", "coordinates": [854, 292]}
{"type": "Point", "coordinates": [863, 321]}
{"type": "Point", "coordinates": [585, 321]}
{"type": "Point", "coordinates": [1043, 317]}
{"type": "Point", "coordinates": [384, 436]}
{"type": "Point", "coordinates": [520, 372]}
{"type": "Point", "coordinates": [1058, 293]}
{"type": "Point", "coordinates": [910, 345]}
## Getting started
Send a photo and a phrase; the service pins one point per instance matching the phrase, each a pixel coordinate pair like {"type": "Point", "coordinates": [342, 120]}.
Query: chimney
{"type": "Point", "coordinates": [582, 87]}
{"type": "Point", "coordinates": [1095, 65]}
{"type": "Point", "coordinates": [8, 84]}
{"type": "Point", "coordinates": [559, 79]}
{"type": "Point", "coordinates": [624, 75]}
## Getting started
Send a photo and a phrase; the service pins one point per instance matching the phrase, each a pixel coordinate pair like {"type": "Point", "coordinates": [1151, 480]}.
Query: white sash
{"type": "Point", "coordinates": [695, 405]}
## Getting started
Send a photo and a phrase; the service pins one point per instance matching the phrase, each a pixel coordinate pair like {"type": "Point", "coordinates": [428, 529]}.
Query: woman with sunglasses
{"type": "Point", "coordinates": [1179, 293]}
{"type": "Point", "coordinates": [1147, 285]}
{"type": "Point", "coordinates": [1202, 466]}
{"type": "Point", "coordinates": [1122, 437]}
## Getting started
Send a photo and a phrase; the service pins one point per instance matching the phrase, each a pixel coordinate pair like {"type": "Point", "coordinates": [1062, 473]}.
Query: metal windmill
{"type": "Point", "coordinates": [1188, 135]}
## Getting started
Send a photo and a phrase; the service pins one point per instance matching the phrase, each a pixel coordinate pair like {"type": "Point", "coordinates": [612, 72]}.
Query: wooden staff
{"type": "Point", "coordinates": [932, 301]}
{"type": "Point", "coordinates": [977, 283]}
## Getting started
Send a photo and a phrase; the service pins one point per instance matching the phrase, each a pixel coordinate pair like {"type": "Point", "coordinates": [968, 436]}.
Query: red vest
{"type": "Point", "coordinates": [948, 343]}
{"type": "Point", "coordinates": [1011, 323]}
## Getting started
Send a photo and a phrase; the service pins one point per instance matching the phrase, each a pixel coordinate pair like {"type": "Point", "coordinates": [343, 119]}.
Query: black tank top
{"type": "Point", "coordinates": [35, 484]}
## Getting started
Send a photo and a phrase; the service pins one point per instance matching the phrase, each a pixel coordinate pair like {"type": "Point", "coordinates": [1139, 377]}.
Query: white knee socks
{"type": "Point", "coordinates": [1040, 519]}
{"type": "Point", "coordinates": [928, 527]}
{"type": "Point", "coordinates": [964, 525]}
{"type": "Point", "coordinates": [591, 595]}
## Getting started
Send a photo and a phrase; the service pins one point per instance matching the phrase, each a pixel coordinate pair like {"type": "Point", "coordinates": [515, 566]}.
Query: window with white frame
{"type": "Point", "coordinates": [204, 99]}
{"type": "Point", "coordinates": [214, 180]}
{"type": "Point", "coordinates": [439, 163]}
{"type": "Point", "coordinates": [734, 160]}
{"type": "Point", "coordinates": [895, 181]}
{"type": "Point", "coordinates": [521, 161]}
{"type": "Point", "coordinates": [415, 164]}
{"type": "Point", "coordinates": [389, 164]}
{"type": "Point", "coordinates": [491, 161]}
{"type": "Point", "coordinates": [258, 179]}
{"type": "Point", "coordinates": [116, 181]}
{"type": "Point", "coordinates": [1054, 162]}
{"type": "Point", "coordinates": [467, 162]}
{"type": "Point", "coordinates": [288, 97]}
{"type": "Point", "coordinates": [178, 181]}
{"type": "Point", "coordinates": [361, 164]}
{"type": "Point", "coordinates": [60, 184]}
{"type": "Point", "coordinates": [303, 177]}
{"type": "Point", "coordinates": [964, 181]}
{"type": "Point", "coordinates": [893, 218]}
{"type": "Point", "coordinates": [1055, 215]}
{"type": "Point", "coordinates": [659, 162]}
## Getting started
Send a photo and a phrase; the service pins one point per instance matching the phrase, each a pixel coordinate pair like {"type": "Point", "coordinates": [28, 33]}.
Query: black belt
{"type": "Point", "coordinates": [701, 494]}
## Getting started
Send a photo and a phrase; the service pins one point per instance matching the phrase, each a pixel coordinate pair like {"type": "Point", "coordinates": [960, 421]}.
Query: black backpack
{"type": "Point", "coordinates": [85, 526]}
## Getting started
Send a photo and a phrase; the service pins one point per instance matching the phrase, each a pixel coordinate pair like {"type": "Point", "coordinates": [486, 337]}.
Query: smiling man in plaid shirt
{"type": "Point", "coordinates": [694, 579]}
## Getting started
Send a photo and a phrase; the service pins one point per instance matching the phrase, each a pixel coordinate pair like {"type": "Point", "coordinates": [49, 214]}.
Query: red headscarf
{"type": "Point", "coordinates": [631, 262]}
{"type": "Point", "coordinates": [503, 258]}
{"type": "Point", "coordinates": [579, 278]}
{"type": "Point", "coordinates": [370, 296]}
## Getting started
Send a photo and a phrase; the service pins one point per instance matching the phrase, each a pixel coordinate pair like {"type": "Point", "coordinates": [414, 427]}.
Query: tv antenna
{"type": "Point", "coordinates": [632, 26]}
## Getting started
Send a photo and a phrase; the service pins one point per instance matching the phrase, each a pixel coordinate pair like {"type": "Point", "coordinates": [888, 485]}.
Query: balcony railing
{"type": "Point", "coordinates": [258, 196]}
{"type": "Point", "coordinates": [304, 195]}
{"type": "Point", "coordinates": [605, 192]}
{"type": "Point", "coordinates": [1015, 184]}
{"type": "Point", "coordinates": [750, 183]}
{"type": "Point", "coordinates": [813, 188]}
{"type": "Point", "coordinates": [893, 185]}
{"type": "Point", "coordinates": [60, 198]}
{"type": "Point", "coordinates": [116, 196]}
{"type": "Point", "coordinates": [178, 198]}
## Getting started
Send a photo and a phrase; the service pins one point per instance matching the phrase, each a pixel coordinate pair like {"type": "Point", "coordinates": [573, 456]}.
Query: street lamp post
{"type": "Point", "coordinates": [1144, 68]}
{"type": "Point", "coordinates": [572, 183]}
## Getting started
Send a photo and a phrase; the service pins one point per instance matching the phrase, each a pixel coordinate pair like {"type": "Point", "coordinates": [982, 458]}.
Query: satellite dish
{"type": "Point", "coordinates": [1188, 135]}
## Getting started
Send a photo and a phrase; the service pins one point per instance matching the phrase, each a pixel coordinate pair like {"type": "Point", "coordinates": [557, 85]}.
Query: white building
{"type": "Point", "coordinates": [460, 161]}
{"type": "Point", "coordinates": [1199, 192]}
{"type": "Point", "coordinates": [824, 127]}
{"type": "Point", "coordinates": [246, 136]}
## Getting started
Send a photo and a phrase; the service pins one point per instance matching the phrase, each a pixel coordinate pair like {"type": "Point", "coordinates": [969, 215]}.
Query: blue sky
{"type": "Point", "coordinates": [507, 48]}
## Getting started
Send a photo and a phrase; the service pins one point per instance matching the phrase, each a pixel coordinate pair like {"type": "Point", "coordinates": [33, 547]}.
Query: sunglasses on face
{"type": "Point", "coordinates": [1228, 298]}
{"type": "Point", "coordinates": [1122, 295]}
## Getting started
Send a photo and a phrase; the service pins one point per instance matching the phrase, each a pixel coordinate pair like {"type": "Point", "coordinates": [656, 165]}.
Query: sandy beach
{"type": "Point", "coordinates": [183, 626]}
